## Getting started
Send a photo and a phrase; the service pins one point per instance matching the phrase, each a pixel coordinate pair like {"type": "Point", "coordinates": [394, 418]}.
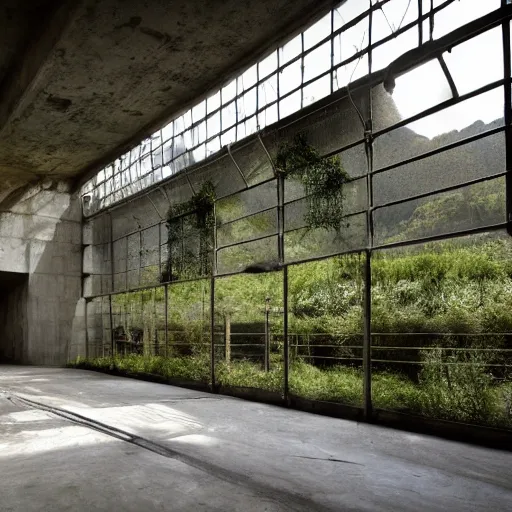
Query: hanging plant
{"type": "Point", "coordinates": [323, 180]}
{"type": "Point", "coordinates": [200, 209]}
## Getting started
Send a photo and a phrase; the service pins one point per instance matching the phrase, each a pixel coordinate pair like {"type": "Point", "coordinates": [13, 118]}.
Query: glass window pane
{"type": "Point", "coordinates": [255, 226]}
{"type": "Point", "coordinates": [268, 116]}
{"type": "Point", "coordinates": [306, 243]}
{"type": "Point", "coordinates": [477, 159]}
{"type": "Point", "coordinates": [199, 112]}
{"type": "Point", "coordinates": [290, 50]}
{"type": "Point", "coordinates": [212, 146]}
{"type": "Point", "coordinates": [187, 139]}
{"type": "Point", "coordinates": [350, 42]}
{"type": "Point", "coordinates": [228, 114]}
{"type": "Point", "coordinates": [350, 72]}
{"type": "Point", "coordinates": [236, 258]}
{"type": "Point", "coordinates": [267, 91]}
{"type": "Point", "coordinates": [392, 16]}
{"type": "Point", "coordinates": [167, 151]}
{"type": "Point", "coordinates": [228, 137]}
{"type": "Point", "coordinates": [251, 126]}
{"type": "Point", "coordinates": [458, 14]}
{"type": "Point", "coordinates": [317, 62]}
{"type": "Point", "coordinates": [385, 54]}
{"type": "Point", "coordinates": [473, 206]}
{"type": "Point", "coordinates": [470, 117]}
{"type": "Point", "coordinates": [179, 125]}
{"type": "Point", "coordinates": [145, 147]}
{"type": "Point", "coordinates": [199, 153]}
{"type": "Point", "coordinates": [229, 92]}
{"type": "Point", "coordinates": [405, 100]}
{"type": "Point", "coordinates": [213, 124]}
{"type": "Point", "coordinates": [213, 102]}
{"type": "Point", "coordinates": [317, 90]}
{"type": "Point", "coordinates": [477, 62]}
{"type": "Point", "coordinates": [348, 11]}
{"type": "Point", "coordinates": [247, 79]}
{"type": "Point", "coordinates": [179, 145]}
{"type": "Point", "coordinates": [167, 131]}
{"type": "Point", "coordinates": [246, 104]}
{"type": "Point", "coordinates": [267, 65]}
{"type": "Point", "coordinates": [200, 132]}
{"type": "Point", "coordinates": [290, 78]}
{"type": "Point", "coordinates": [247, 202]}
{"type": "Point", "coordinates": [290, 104]}
{"type": "Point", "coordinates": [320, 30]}
{"type": "Point", "coordinates": [156, 140]}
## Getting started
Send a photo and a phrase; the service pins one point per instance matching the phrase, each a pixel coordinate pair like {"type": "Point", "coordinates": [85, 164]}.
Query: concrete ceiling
{"type": "Point", "coordinates": [82, 80]}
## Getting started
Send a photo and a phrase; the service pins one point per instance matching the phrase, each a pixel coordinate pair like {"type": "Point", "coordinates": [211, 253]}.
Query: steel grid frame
{"type": "Point", "coordinates": [367, 345]}
{"type": "Point", "coordinates": [126, 175]}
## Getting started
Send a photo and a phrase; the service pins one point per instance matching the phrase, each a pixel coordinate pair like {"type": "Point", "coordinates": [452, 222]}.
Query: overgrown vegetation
{"type": "Point", "coordinates": [323, 180]}
{"type": "Point", "coordinates": [483, 404]}
{"type": "Point", "coordinates": [190, 227]}
{"type": "Point", "coordinates": [441, 317]}
{"type": "Point", "coordinates": [441, 312]}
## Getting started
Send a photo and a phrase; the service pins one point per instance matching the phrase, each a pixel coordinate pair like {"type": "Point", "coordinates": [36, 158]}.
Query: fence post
{"type": "Point", "coordinates": [285, 332]}
{"type": "Point", "coordinates": [227, 337]}
{"type": "Point", "coordinates": [367, 376]}
{"type": "Point", "coordinates": [267, 334]}
{"type": "Point", "coordinates": [212, 331]}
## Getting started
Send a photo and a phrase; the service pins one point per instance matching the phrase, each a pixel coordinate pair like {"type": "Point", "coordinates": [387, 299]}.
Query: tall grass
{"type": "Point", "coordinates": [468, 397]}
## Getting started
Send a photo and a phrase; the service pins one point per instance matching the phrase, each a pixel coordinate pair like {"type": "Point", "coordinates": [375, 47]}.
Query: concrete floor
{"type": "Point", "coordinates": [104, 443]}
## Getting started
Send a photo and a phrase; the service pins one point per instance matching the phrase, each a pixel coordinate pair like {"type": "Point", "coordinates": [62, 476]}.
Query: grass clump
{"type": "Point", "coordinates": [250, 375]}
{"type": "Point", "coordinates": [338, 384]}
{"type": "Point", "coordinates": [195, 369]}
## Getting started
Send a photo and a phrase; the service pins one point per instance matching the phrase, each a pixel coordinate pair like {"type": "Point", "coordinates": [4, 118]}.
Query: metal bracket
{"type": "Point", "coordinates": [268, 154]}
{"type": "Point", "coordinates": [237, 166]}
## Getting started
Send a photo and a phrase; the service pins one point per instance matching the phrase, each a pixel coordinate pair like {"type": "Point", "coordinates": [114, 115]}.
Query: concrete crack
{"type": "Point", "coordinates": [293, 501]}
{"type": "Point", "coordinates": [330, 459]}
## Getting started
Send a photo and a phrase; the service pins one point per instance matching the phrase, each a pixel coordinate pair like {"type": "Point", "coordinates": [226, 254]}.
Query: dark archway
{"type": "Point", "coordinates": [13, 316]}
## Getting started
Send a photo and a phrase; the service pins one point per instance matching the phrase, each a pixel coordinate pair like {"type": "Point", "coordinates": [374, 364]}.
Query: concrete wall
{"type": "Point", "coordinates": [40, 234]}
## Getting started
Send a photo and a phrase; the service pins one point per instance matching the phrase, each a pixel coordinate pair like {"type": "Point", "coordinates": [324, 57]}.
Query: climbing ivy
{"type": "Point", "coordinates": [187, 222]}
{"type": "Point", "coordinates": [323, 180]}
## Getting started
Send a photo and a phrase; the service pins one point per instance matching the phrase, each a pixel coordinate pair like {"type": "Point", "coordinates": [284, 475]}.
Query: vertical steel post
{"type": "Point", "coordinates": [227, 338]}
{"type": "Point", "coordinates": [267, 334]}
{"type": "Point", "coordinates": [280, 250]}
{"type": "Point", "coordinates": [86, 319]}
{"type": "Point", "coordinates": [367, 301]}
{"type": "Point", "coordinates": [166, 320]}
{"type": "Point", "coordinates": [212, 298]}
{"type": "Point", "coordinates": [280, 218]}
{"type": "Point", "coordinates": [367, 312]}
{"type": "Point", "coordinates": [112, 348]}
{"type": "Point", "coordinates": [285, 333]}
{"type": "Point", "coordinates": [212, 331]}
{"type": "Point", "coordinates": [508, 119]}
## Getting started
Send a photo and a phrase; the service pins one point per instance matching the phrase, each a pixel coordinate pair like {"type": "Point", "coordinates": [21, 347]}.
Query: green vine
{"type": "Point", "coordinates": [323, 180]}
{"type": "Point", "coordinates": [185, 221]}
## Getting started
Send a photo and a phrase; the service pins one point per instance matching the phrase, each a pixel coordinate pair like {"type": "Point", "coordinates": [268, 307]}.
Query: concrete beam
{"type": "Point", "coordinates": [27, 69]}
